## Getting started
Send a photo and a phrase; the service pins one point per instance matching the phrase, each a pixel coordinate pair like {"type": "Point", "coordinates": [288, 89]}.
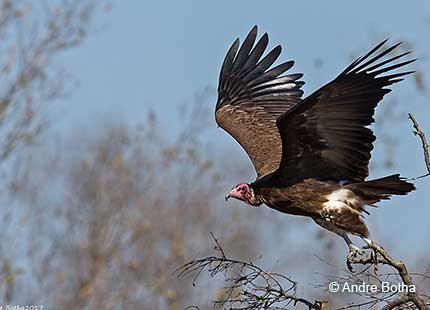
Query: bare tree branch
{"type": "Point", "coordinates": [418, 132]}
{"type": "Point", "coordinates": [385, 258]}
{"type": "Point", "coordinates": [247, 286]}
{"type": "Point", "coordinates": [397, 303]}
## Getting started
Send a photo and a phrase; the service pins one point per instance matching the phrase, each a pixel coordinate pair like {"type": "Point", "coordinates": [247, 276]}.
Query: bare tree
{"type": "Point", "coordinates": [33, 35]}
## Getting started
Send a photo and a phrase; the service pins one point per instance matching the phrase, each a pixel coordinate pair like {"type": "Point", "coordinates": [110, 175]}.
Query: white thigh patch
{"type": "Point", "coordinates": [342, 198]}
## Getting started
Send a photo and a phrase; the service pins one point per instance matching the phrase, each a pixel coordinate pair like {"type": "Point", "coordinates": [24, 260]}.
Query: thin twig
{"type": "Point", "coordinates": [418, 132]}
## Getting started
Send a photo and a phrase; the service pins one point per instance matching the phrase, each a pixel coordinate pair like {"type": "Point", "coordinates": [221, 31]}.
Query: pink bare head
{"type": "Point", "coordinates": [242, 191]}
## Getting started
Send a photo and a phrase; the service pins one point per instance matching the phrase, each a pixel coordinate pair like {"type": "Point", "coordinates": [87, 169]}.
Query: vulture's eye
{"type": "Point", "coordinates": [243, 189]}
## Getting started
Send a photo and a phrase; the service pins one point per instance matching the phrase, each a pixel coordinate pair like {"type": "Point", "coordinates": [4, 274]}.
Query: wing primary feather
{"type": "Point", "coordinates": [396, 75]}
{"type": "Point", "coordinates": [229, 58]}
{"type": "Point", "coordinates": [387, 61]}
{"type": "Point", "coordinates": [362, 58]}
{"type": "Point", "coordinates": [279, 81]}
{"type": "Point", "coordinates": [352, 65]}
{"type": "Point", "coordinates": [244, 50]}
{"type": "Point", "coordinates": [264, 64]}
{"type": "Point", "coordinates": [379, 56]}
{"type": "Point", "coordinates": [255, 54]}
{"type": "Point", "coordinates": [378, 72]}
{"type": "Point", "coordinates": [273, 73]}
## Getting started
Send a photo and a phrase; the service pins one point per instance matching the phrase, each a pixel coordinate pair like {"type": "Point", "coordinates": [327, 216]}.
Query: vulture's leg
{"type": "Point", "coordinates": [368, 243]}
{"type": "Point", "coordinates": [353, 251]}
{"type": "Point", "coordinates": [373, 254]}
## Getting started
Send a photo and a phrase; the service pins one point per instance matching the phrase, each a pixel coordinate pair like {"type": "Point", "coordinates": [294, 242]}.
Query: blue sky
{"type": "Point", "coordinates": [159, 54]}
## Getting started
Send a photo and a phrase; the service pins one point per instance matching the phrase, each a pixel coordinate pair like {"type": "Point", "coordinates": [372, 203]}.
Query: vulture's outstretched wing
{"type": "Point", "coordinates": [251, 96]}
{"type": "Point", "coordinates": [325, 136]}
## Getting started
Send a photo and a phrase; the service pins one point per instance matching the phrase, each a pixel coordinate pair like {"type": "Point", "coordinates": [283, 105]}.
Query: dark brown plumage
{"type": "Point", "coordinates": [311, 155]}
{"type": "Point", "coordinates": [326, 134]}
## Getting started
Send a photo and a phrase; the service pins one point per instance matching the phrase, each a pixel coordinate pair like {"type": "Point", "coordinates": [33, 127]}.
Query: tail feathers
{"type": "Point", "coordinates": [374, 190]}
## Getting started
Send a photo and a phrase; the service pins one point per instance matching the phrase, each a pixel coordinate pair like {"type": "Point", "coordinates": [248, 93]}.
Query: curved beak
{"type": "Point", "coordinates": [231, 194]}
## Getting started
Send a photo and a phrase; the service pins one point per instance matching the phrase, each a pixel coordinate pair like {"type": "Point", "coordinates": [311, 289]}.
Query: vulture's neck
{"type": "Point", "coordinates": [256, 199]}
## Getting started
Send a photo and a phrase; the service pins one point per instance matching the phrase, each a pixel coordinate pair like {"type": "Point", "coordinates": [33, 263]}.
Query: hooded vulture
{"type": "Point", "coordinates": [311, 154]}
